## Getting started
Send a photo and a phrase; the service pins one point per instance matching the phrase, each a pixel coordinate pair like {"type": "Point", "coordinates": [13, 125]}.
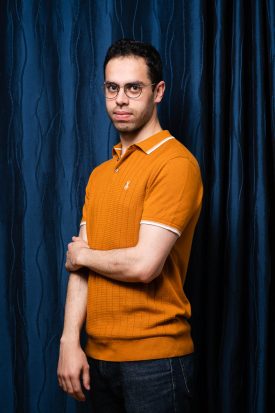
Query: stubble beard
{"type": "Point", "coordinates": [132, 127]}
{"type": "Point", "coordinates": [127, 128]}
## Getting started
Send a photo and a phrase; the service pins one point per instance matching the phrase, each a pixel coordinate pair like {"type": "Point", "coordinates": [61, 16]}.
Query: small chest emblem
{"type": "Point", "coordinates": [126, 186]}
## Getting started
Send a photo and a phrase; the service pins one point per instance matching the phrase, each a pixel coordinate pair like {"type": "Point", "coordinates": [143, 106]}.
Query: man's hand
{"type": "Point", "coordinates": [73, 368]}
{"type": "Point", "coordinates": [73, 257]}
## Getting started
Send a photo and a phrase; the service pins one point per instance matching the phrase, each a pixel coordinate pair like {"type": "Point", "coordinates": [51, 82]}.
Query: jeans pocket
{"type": "Point", "coordinates": [187, 364]}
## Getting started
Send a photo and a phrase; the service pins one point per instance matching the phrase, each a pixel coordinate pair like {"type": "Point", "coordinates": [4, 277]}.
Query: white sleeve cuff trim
{"type": "Point", "coordinates": [82, 223]}
{"type": "Point", "coordinates": [157, 224]}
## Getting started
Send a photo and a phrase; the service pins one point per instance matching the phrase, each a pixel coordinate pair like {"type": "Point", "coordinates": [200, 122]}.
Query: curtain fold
{"type": "Point", "coordinates": [219, 68]}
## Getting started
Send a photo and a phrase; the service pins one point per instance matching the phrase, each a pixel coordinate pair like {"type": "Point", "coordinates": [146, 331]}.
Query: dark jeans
{"type": "Point", "coordinates": [151, 386]}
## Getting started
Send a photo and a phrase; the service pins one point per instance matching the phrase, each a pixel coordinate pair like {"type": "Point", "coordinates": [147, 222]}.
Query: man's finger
{"type": "Point", "coordinates": [66, 385]}
{"type": "Point", "coordinates": [86, 377]}
{"type": "Point", "coordinates": [77, 391]}
{"type": "Point", "coordinates": [60, 382]}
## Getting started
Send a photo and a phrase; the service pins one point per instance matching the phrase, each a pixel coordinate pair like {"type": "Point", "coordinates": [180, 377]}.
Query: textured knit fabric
{"type": "Point", "coordinates": [156, 182]}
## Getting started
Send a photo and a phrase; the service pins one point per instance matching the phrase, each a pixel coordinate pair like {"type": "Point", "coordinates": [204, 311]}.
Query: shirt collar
{"type": "Point", "coordinates": [147, 145]}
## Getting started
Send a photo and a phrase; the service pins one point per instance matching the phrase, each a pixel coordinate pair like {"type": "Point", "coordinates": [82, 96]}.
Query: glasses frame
{"type": "Point", "coordinates": [124, 89]}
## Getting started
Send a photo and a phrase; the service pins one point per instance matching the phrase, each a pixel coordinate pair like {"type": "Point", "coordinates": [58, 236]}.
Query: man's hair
{"type": "Point", "coordinates": [128, 47]}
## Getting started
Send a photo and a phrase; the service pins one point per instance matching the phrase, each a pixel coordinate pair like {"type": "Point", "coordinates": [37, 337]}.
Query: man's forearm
{"type": "Point", "coordinates": [140, 263]}
{"type": "Point", "coordinates": [76, 307]}
{"type": "Point", "coordinates": [119, 264]}
{"type": "Point", "coordinates": [73, 367]}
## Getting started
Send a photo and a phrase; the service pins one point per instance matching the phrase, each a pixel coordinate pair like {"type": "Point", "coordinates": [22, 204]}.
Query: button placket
{"type": "Point", "coordinates": [123, 158]}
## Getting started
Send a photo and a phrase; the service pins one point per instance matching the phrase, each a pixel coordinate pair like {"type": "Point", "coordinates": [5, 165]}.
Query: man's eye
{"type": "Point", "coordinates": [134, 88]}
{"type": "Point", "coordinates": [111, 88]}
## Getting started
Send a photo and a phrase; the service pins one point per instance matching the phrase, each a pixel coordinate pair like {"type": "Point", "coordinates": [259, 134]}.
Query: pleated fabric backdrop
{"type": "Point", "coordinates": [219, 66]}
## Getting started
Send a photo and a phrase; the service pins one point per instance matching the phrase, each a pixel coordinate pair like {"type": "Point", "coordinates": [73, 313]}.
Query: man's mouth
{"type": "Point", "coordinates": [121, 115]}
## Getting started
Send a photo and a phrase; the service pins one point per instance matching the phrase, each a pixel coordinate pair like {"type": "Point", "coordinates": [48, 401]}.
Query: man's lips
{"type": "Point", "coordinates": [121, 115]}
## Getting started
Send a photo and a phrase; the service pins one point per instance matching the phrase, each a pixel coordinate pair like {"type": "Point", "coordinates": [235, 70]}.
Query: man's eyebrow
{"type": "Point", "coordinates": [134, 82]}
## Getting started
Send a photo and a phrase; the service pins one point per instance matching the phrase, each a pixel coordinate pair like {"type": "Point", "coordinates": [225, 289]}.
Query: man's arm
{"type": "Point", "coordinates": [73, 364]}
{"type": "Point", "coordinates": [141, 263]}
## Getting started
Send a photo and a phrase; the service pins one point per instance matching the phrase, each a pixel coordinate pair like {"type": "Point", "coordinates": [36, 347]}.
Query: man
{"type": "Point", "coordinates": [139, 216]}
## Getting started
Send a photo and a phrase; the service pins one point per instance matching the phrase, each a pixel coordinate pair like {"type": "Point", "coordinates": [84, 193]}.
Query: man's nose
{"type": "Point", "coordinates": [122, 98]}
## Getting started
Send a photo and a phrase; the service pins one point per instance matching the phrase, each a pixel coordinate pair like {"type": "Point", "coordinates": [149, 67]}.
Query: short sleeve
{"type": "Point", "coordinates": [174, 195]}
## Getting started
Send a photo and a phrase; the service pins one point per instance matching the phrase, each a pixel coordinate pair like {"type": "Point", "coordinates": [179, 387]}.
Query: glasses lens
{"type": "Point", "coordinates": [110, 90]}
{"type": "Point", "coordinates": [133, 90]}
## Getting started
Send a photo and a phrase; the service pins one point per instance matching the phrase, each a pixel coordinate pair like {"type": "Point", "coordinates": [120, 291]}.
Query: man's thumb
{"type": "Point", "coordinates": [86, 377]}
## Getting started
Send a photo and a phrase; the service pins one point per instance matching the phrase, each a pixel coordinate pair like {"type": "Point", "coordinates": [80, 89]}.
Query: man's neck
{"type": "Point", "coordinates": [128, 139]}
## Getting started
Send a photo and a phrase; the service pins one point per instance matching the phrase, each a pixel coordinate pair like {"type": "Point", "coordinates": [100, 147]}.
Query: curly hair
{"type": "Point", "coordinates": [129, 47]}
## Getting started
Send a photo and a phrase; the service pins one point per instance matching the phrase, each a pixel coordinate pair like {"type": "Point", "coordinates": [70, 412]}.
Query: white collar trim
{"type": "Point", "coordinates": [159, 144]}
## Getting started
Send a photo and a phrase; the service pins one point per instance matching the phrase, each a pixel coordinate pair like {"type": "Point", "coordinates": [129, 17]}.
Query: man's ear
{"type": "Point", "coordinates": [159, 91]}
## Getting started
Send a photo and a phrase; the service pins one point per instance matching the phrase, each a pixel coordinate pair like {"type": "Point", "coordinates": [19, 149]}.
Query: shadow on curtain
{"type": "Point", "coordinates": [220, 72]}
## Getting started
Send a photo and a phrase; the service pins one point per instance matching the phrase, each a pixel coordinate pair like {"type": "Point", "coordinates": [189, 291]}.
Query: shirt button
{"type": "Point", "coordinates": [117, 169]}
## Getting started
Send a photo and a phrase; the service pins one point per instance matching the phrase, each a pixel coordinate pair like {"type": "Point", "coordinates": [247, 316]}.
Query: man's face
{"type": "Point", "coordinates": [130, 115]}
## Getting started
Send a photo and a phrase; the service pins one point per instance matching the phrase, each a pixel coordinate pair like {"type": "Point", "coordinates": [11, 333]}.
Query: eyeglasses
{"type": "Point", "coordinates": [131, 90]}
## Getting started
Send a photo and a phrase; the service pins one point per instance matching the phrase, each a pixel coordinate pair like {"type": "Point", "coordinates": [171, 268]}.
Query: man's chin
{"type": "Point", "coordinates": [124, 127]}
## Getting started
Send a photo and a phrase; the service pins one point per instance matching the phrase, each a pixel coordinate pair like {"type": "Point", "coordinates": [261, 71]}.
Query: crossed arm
{"type": "Point", "coordinates": [141, 263]}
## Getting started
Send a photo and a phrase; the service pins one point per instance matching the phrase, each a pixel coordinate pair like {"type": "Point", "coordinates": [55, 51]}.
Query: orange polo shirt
{"type": "Point", "coordinates": [156, 182]}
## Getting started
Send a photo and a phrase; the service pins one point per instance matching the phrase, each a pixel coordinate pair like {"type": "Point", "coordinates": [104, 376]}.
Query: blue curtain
{"type": "Point", "coordinates": [219, 66]}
